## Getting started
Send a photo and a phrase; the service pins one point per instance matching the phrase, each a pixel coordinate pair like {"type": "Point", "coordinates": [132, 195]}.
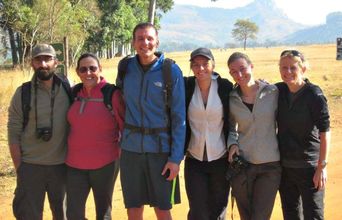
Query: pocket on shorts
{"type": "Point", "coordinates": [19, 204]}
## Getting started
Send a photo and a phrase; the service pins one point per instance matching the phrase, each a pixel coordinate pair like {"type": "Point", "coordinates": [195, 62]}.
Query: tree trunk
{"type": "Point", "coordinates": [113, 49]}
{"type": "Point", "coordinates": [121, 50]}
{"type": "Point", "coordinates": [244, 44]}
{"type": "Point", "coordinates": [14, 49]}
{"type": "Point", "coordinates": [20, 47]}
{"type": "Point", "coordinates": [151, 11]}
{"type": "Point", "coordinates": [22, 58]}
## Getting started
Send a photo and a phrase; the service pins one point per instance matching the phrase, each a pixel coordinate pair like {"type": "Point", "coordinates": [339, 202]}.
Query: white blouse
{"type": "Point", "coordinates": [206, 124]}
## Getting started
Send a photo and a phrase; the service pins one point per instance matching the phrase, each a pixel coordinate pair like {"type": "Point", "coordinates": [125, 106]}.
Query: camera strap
{"type": "Point", "coordinates": [52, 102]}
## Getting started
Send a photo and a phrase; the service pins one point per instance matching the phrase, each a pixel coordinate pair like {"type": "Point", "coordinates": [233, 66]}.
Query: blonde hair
{"type": "Point", "coordinates": [296, 56]}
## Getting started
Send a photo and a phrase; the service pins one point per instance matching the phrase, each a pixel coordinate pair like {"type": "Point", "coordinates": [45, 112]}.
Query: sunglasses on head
{"type": "Point", "coordinates": [85, 69]}
{"type": "Point", "coordinates": [295, 53]}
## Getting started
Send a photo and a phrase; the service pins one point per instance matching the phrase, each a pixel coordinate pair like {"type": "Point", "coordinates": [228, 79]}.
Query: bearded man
{"type": "Point", "coordinates": [37, 138]}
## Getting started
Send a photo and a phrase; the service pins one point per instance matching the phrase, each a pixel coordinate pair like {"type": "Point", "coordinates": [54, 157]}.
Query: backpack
{"type": "Point", "coordinates": [166, 71]}
{"type": "Point", "coordinates": [26, 97]}
{"type": "Point", "coordinates": [107, 92]}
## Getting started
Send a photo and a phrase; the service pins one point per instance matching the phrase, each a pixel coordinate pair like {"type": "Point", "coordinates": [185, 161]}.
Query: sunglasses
{"type": "Point", "coordinates": [295, 53]}
{"type": "Point", "coordinates": [85, 69]}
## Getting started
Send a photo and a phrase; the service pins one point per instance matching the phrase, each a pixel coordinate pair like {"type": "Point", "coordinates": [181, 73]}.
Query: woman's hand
{"type": "Point", "coordinates": [233, 149]}
{"type": "Point", "coordinates": [320, 178]}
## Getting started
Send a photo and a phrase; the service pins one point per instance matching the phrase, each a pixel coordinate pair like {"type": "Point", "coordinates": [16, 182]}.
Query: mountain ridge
{"type": "Point", "coordinates": [188, 26]}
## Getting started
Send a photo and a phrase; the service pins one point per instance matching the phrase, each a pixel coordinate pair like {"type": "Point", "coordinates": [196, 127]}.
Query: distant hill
{"type": "Point", "coordinates": [326, 33]}
{"type": "Point", "coordinates": [186, 26]}
{"type": "Point", "coordinates": [192, 25]}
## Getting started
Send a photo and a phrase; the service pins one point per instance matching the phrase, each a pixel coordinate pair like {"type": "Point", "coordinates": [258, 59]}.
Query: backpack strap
{"type": "Point", "coordinates": [74, 91]}
{"type": "Point", "coordinates": [26, 96]}
{"type": "Point", "coordinates": [167, 72]}
{"type": "Point", "coordinates": [66, 86]}
{"type": "Point", "coordinates": [146, 131]}
{"type": "Point", "coordinates": [85, 100]}
{"type": "Point", "coordinates": [107, 92]}
{"type": "Point", "coordinates": [122, 69]}
{"type": "Point", "coordinates": [26, 101]}
{"type": "Point", "coordinates": [167, 75]}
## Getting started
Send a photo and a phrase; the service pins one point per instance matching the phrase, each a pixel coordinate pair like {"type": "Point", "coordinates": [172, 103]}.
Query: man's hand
{"type": "Point", "coordinates": [173, 169]}
{"type": "Point", "coordinates": [15, 154]}
{"type": "Point", "coordinates": [320, 178]}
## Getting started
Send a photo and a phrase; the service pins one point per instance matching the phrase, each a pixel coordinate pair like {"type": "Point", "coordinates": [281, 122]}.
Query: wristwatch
{"type": "Point", "coordinates": [323, 163]}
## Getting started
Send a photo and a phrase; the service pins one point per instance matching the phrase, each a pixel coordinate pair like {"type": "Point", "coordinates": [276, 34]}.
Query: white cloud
{"type": "Point", "coordinates": [308, 11]}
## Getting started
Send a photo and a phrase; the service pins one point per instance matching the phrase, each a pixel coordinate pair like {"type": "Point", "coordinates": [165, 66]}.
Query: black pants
{"type": "Point", "coordinates": [255, 189]}
{"type": "Point", "coordinates": [207, 188]}
{"type": "Point", "coordinates": [33, 181]}
{"type": "Point", "coordinates": [299, 198]}
{"type": "Point", "coordinates": [79, 183]}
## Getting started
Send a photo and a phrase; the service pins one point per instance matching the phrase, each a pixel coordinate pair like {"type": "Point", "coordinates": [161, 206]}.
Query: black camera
{"type": "Point", "coordinates": [236, 166]}
{"type": "Point", "coordinates": [44, 133]}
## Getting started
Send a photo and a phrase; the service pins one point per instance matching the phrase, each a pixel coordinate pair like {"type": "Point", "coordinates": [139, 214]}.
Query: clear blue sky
{"type": "Point", "coordinates": [311, 12]}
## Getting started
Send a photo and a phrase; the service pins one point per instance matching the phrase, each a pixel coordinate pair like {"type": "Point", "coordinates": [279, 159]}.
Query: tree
{"type": "Point", "coordinates": [93, 25]}
{"type": "Point", "coordinates": [151, 11]}
{"type": "Point", "coordinates": [163, 5]}
{"type": "Point", "coordinates": [8, 15]}
{"type": "Point", "coordinates": [118, 20]}
{"type": "Point", "coordinates": [35, 21]}
{"type": "Point", "coordinates": [116, 23]}
{"type": "Point", "coordinates": [244, 29]}
{"type": "Point", "coordinates": [20, 18]}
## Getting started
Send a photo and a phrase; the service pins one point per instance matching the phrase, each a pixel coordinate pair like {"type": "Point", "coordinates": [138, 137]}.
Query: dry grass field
{"type": "Point", "coordinates": [324, 71]}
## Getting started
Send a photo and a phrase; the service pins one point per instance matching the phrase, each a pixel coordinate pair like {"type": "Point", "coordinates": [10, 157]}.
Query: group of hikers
{"type": "Point", "coordinates": [250, 138]}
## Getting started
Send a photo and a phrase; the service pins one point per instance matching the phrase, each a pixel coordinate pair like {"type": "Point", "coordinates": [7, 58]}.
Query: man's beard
{"type": "Point", "coordinates": [44, 74]}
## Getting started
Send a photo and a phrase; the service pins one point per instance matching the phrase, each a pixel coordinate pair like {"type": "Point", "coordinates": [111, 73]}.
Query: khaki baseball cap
{"type": "Point", "coordinates": [43, 50]}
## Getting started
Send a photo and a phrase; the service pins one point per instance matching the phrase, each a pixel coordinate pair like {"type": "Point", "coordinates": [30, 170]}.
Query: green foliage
{"type": "Point", "coordinates": [26, 23]}
{"type": "Point", "coordinates": [20, 18]}
{"type": "Point", "coordinates": [118, 20]}
{"type": "Point", "coordinates": [244, 29]}
{"type": "Point", "coordinates": [164, 5]}
{"type": "Point", "coordinates": [115, 24]}
{"type": "Point", "coordinates": [78, 22]}
{"type": "Point", "coordinates": [50, 21]}
{"type": "Point", "coordinates": [118, 23]}
{"type": "Point", "coordinates": [124, 22]}
{"type": "Point", "coordinates": [91, 25]}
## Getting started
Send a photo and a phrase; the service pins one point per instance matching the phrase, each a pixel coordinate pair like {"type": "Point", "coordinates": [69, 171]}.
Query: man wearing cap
{"type": "Point", "coordinates": [37, 143]}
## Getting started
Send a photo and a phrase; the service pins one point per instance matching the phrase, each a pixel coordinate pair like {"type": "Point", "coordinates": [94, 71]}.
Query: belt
{"type": "Point", "coordinates": [146, 131]}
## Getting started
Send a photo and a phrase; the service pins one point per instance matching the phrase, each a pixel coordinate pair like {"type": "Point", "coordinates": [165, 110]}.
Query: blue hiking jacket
{"type": "Point", "coordinates": [144, 95]}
